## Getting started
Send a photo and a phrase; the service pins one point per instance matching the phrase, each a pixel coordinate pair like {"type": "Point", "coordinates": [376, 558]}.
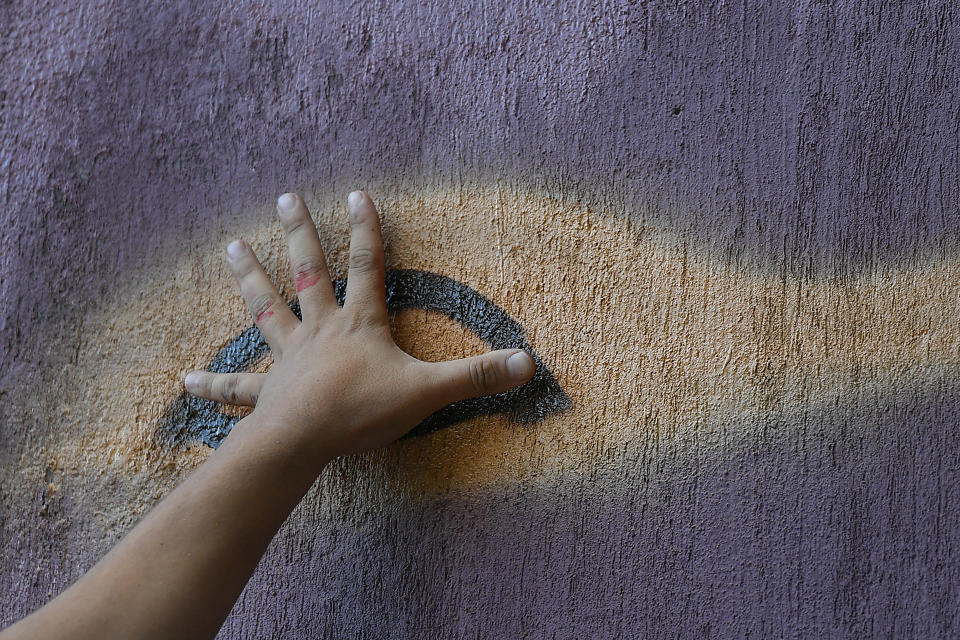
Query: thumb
{"type": "Point", "coordinates": [493, 372]}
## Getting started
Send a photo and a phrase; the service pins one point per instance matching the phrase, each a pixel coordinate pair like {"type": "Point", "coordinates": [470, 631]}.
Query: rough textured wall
{"type": "Point", "coordinates": [728, 229]}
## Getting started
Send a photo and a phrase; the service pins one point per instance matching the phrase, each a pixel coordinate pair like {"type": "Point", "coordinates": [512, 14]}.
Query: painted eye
{"type": "Point", "coordinates": [192, 418]}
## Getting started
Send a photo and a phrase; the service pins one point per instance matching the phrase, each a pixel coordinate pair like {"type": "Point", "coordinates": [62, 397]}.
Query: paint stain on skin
{"type": "Point", "coordinates": [263, 315]}
{"type": "Point", "coordinates": [190, 418]}
{"type": "Point", "coordinates": [305, 281]}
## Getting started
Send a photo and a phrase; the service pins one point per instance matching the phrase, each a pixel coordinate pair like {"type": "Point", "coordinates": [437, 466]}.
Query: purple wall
{"type": "Point", "coordinates": [802, 140]}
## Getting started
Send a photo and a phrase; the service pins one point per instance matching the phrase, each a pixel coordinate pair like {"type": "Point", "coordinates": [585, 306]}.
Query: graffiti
{"type": "Point", "coordinates": [190, 418]}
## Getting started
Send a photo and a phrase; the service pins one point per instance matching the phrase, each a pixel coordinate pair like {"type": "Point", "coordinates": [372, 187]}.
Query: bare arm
{"type": "Point", "coordinates": [339, 385]}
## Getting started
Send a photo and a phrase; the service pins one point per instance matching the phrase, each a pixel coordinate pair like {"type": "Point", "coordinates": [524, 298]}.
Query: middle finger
{"type": "Point", "coordinates": [307, 262]}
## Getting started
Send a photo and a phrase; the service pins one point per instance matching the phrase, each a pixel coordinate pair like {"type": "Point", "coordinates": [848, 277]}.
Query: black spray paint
{"type": "Point", "coordinates": [192, 418]}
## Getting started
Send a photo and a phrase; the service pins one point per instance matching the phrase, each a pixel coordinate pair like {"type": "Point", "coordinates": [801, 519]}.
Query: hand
{"type": "Point", "coordinates": [340, 384]}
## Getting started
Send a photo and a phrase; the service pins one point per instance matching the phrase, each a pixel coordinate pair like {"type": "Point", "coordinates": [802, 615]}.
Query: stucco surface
{"type": "Point", "coordinates": [729, 230]}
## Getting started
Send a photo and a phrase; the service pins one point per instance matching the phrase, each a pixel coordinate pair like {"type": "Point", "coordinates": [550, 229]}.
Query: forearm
{"type": "Point", "coordinates": [179, 571]}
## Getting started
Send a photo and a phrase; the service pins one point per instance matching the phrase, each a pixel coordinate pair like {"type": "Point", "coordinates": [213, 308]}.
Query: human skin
{"type": "Point", "coordinates": [339, 385]}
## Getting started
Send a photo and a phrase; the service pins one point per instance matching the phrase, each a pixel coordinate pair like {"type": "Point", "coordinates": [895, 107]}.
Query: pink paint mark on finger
{"type": "Point", "coordinates": [263, 315]}
{"type": "Point", "coordinates": [305, 281]}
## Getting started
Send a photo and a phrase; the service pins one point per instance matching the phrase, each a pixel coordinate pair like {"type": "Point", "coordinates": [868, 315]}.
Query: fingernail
{"type": "Point", "coordinates": [191, 381]}
{"type": "Point", "coordinates": [520, 365]}
{"type": "Point", "coordinates": [235, 249]}
{"type": "Point", "coordinates": [286, 202]}
{"type": "Point", "coordinates": [353, 206]}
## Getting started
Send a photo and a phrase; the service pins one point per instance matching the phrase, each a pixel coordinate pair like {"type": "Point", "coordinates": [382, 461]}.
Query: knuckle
{"type": "Point", "coordinates": [308, 267]}
{"type": "Point", "coordinates": [483, 375]}
{"type": "Point", "coordinates": [261, 304]}
{"type": "Point", "coordinates": [295, 220]}
{"type": "Point", "coordinates": [227, 388]}
{"type": "Point", "coordinates": [294, 224]}
{"type": "Point", "coordinates": [363, 260]}
{"type": "Point", "coordinates": [359, 322]}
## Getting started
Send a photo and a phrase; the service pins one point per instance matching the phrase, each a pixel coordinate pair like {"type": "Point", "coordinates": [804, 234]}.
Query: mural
{"type": "Point", "coordinates": [728, 230]}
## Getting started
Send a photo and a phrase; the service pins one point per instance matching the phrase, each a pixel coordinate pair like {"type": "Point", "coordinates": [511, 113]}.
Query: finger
{"type": "Point", "coordinates": [228, 388]}
{"type": "Point", "coordinates": [493, 372]}
{"type": "Point", "coordinates": [307, 263]}
{"type": "Point", "coordinates": [271, 314]}
{"type": "Point", "coordinates": [365, 289]}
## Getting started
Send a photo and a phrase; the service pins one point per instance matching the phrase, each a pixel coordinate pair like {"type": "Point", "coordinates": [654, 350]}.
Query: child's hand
{"type": "Point", "coordinates": [339, 383]}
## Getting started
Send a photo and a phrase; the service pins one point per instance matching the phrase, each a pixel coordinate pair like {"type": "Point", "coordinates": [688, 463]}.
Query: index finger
{"type": "Point", "coordinates": [366, 294]}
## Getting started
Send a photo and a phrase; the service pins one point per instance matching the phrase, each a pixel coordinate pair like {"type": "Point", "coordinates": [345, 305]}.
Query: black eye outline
{"type": "Point", "coordinates": [189, 418]}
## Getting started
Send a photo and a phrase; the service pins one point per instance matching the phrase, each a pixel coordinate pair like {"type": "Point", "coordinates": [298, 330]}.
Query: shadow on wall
{"type": "Point", "coordinates": [838, 521]}
{"type": "Point", "coordinates": [805, 139]}
{"type": "Point", "coordinates": [848, 532]}
{"type": "Point", "coordinates": [808, 138]}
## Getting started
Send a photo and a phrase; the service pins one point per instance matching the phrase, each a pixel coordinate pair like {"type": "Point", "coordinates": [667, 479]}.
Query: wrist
{"type": "Point", "coordinates": [280, 442]}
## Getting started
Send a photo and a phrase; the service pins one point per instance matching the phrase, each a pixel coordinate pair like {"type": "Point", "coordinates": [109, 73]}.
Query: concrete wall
{"type": "Point", "coordinates": [728, 229]}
